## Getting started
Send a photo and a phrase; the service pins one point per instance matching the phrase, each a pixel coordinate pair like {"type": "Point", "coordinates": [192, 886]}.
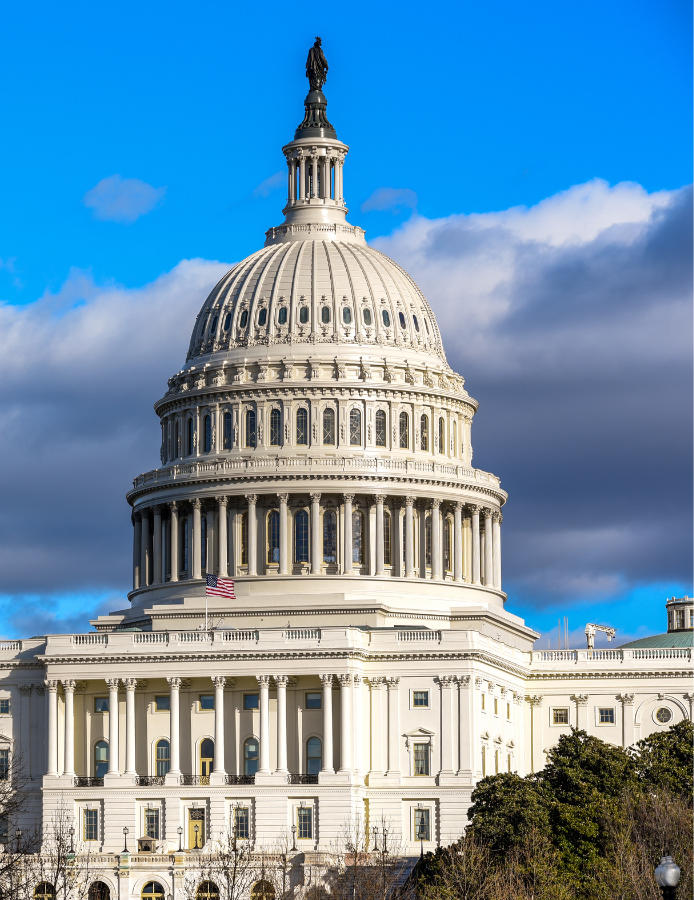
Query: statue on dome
{"type": "Point", "coordinates": [316, 66]}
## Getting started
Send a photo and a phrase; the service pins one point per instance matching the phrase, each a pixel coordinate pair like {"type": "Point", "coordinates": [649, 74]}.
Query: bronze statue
{"type": "Point", "coordinates": [316, 66]}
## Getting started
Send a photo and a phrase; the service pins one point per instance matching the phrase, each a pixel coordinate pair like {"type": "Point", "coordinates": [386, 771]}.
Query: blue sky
{"type": "Point", "coordinates": [140, 135]}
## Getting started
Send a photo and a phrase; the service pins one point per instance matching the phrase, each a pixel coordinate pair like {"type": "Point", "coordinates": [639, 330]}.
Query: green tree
{"type": "Point", "coordinates": [664, 761]}
{"type": "Point", "coordinates": [504, 809]}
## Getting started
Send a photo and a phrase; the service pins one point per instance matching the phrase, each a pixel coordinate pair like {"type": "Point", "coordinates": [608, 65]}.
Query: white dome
{"type": "Point", "coordinates": [303, 289]}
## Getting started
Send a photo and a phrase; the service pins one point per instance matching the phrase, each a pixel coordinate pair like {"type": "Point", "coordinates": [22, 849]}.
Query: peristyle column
{"type": "Point", "coordinates": [130, 684]}
{"type": "Point", "coordinates": [195, 547]}
{"type": "Point", "coordinates": [393, 725]}
{"type": "Point", "coordinates": [144, 548]}
{"type": "Point", "coordinates": [488, 548]}
{"type": "Point", "coordinates": [458, 541]}
{"type": "Point", "coordinates": [281, 682]}
{"type": "Point", "coordinates": [348, 564]}
{"type": "Point", "coordinates": [252, 537]}
{"type": "Point", "coordinates": [409, 538]}
{"type": "Point", "coordinates": [69, 688]}
{"type": "Point", "coordinates": [380, 564]}
{"type": "Point", "coordinates": [475, 516]}
{"type": "Point", "coordinates": [52, 744]}
{"type": "Point", "coordinates": [173, 540]}
{"type": "Point", "coordinates": [327, 681]}
{"type": "Point", "coordinates": [436, 557]}
{"type": "Point", "coordinates": [157, 573]}
{"type": "Point", "coordinates": [345, 723]}
{"type": "Point", "coordinates": [219, 681]}
{"type": "Point", "coordinates": [113, 766]}
{"type": "Point", "coordinates": [264, 761]}
{"type": "Point", "coordinates": [316, 554]}
{"type": "Point", "coordinates": [174, 725]}
{"type": "Point", "coordinates": [137, 551]}
{"type": "Point", "coordinates": [284, 547]}
{"type": "Point", "coordinates": [223, 540]}
{"type": "Point", "coordinates": [496, 547]}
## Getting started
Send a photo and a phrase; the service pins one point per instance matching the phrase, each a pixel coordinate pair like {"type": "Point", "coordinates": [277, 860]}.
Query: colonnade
{"type": "Point", "coordinates": [309, 177]}
{"type": "Point", "coordinates": [458, 542]}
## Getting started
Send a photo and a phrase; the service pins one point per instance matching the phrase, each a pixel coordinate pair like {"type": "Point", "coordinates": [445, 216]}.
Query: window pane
{"type": "Point", "coordinates": [404, 430]}
{"type": "Point", "coordinates": [329, 536]}
{"type": "Point", "coordinates": [424, 432]}
{"type": "Point", "coordinates": [152, 823]}
{"type": "Point", "coordinates": [355, 428]}
{"type": "Point", "coordinates": [303, 315]}
{"type": "Point", "coordinates": [367, 317]}
{"type": "Point", "coordinates": [242, 822]}
{"type": "Point", "coordinates": [4, 765]}
{"type": "Point", "coordinates": [244, 539]}
{"type": "Point", "coordinates": [380, 428]}
{"type": "Point", "coordinates": [250, 757]}
{"type": "Point", "coordinates": [325, 314]}
{"type": "Point", "coordinates": [100, 704]}
{"type": "Point", "coordinates": [191, 436]}
{"type": "Point", "coordinates": [421, 825]}
{"type": "Point", "coordinates": [561, 716]}
{"type": "Point", "coordinates": [208, 433]}
{"type": "Point", "coordinates": [163, 754]}
{"type": "Point", "coordinates": [275, 428]}
{"type": "Point", "coordinates": [427, 542]}
{"type": "Point", "coordinates": [282, 317]}
{"type": "Point", "coordinates": [100, 759]}
{"type": "Point", "coordinates": [301, 542]}
{"type": "Point", "coordinates": [162, 704]}
{"type": "Point", "coordinates": [227, 321]}
{"type": "Point", "coordinates": [250, 428]}
{"type": "Point", "coordinates": [357, 537]}
{"type": "Point", "coordinates": [416, 323]}
{"type": "Point", "coordinates": [302, 427]}
{"type": "Point", "coordinates": [206, 701]}
{"type": "Point", "coordinates": [386, 318]}
{"type": "Point", "coordinates": [273, 537]}
{"type": "Point", "coordinates": [251, 701]}
{"type": "Point", "coordinates": [91, 825]}
{"type": "Point", "coordinates": [402, 320]}
{"type": "Point", "coordinates": [314, 700]}
{"type": "Point", "coordinates": [386, 538]}
{"type": "Point", "coordinates": [244, 319]}
{"type": "Point", "coordinates": [442, 436]}
{"type": "Point", "coordinates": [314, 756]}
{"type": "Point", "coordinates": [421, 759]}
{"type": "Point", "coordinates": [227, 431]}
{"type": "Point", "coordinates": [305, 822]}
{"type": "Point", "coordinates": [346, 315]}
{"type": "Point", "coordinates": [420, 698]}
{"type": "Point", "coordinates": [262, 317]}
{"type": "Point", "coordinates": [329, 426]}
{"type": "Point", "coordinates": [607, 716]}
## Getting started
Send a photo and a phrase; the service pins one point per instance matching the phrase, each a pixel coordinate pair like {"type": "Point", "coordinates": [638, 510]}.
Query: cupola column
{"type": "Point", "coordinates": [409, 538]}
{"type": "Point", "coordinates": [222, 538]}
{"type": "Point", "coordinates": [380, 565]}
{"type": "Point", "coordinates": [488, 549]}
{"type": "Point", "coordinates": [302, 177]}
{"type": "Point", "coordinates": [436, 558]}
{"type": "Point", "coordinates": [144, 548]}
{"type": "Point", "coordinates": [173, 540]}
{"type": "Point", "coordinates": [157, 574]}
{"type": "Point", "coordinates": [137, 551]}
{"type": "Point", "coordinates": [252, 535]}
{"type": "Point", "coordinates": [315, 535]}
{"type": "Point", "coordinates": [327, 681]}
{"type": "Point", "coordinates": [496, 542]}
{"type": "Point", "coordinates": [348, 566]}
{"type": "Point", "coordinates": [475, 516]}
{"type": "Point", "coordinates": [291, 181]}
{"type": "Point", "coordinates": [314, 176]}
{"type": "Point", "coordinates": [113, 765]}
{"type": "Point", "coordinates": [69, 763]}
{"type": "Point", "coordinates": [457, 541]}
{"type": "Point", "coordinates": [284, 548]}
{"type": "Point", "coordinates": [194, 551]}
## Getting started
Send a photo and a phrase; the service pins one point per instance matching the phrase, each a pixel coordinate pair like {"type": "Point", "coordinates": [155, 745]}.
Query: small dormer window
{"type": "Point", "coordinates": [262, 317]}
{"type": "Point", "coordinates": [303, 315]}
{"type": "Point", "coordinates": [282, 317]}
{"type": "Point", "coordinates": [367, 317]}
{"type": "Point", "coordinates": [401, 316]}
{"type": "Point", "coordinates": [244, 319]}
{"type": "Point", "coordinates": [386, 318]}
{"type": "Point", "coordinates": [325, 315]}
{"type": "Point", "coordinates": [346, 315]}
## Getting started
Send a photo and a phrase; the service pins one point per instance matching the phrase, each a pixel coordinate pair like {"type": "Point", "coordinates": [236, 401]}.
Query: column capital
{"type": "Point", "coordinates": [174, 505]}
{"type": "Point", "coordinates": [281, 680]}
{"type": "Point", "coordinates": [377, 681]}
{"type": "Point", "coordinates": [219, 681]}
{"type": "Point", "coordinates": [315, 498]}
{"type": "Point", "coordinates": [580, 699]}
{"type": "Point", "coordinates": [410, 501]}
{"type": "Point", "coordinates": [464, 680]}
{"type": "Point", "coordinates": [326, 680]}
{"type": "Point", "coordinates": [345, 680]}
{"type": "Point", "coordinates": [25, 689]}
{"type": "Point", "coordinates": [458, 505]}
{"type": "Point", "coordinates": [348, 498]}
{"type": "Point", "coordinates": [263, 680]}
{"type": "Point", "coordinates": [487, 512]}
{"type": "Point", "coordinates": [113, 683]}
{"type": "Point", "coordinates": [393, 682]}
{"type": "Point", "coordinates": [435, 503]}
{"type": "Point", "coordinates": [474, 509]}
{"type": "Point", "coordinates": [130, 684]}
{"type": "Point", "coordinates": [627, 699]}
{"type": "Point", "coordinates": [535, 700]}
{"type": "Point", "coordinates": [284, 498]}
{"type": "Point", "coordinates": [222, 499]}
{"type": "Point", "coordinates": [446, 681]}
{"type": "Point", "coordinates": [251, 498]}
{"type": "Point", "coordinates": [174, 682]}
{"type": "Point", "coordinates": [478, 683]}
{"type": "Point", "coordinates": [158, 509]}
{"type": "Point", "coordinates": [496, 515]}
{"type": "Point", "coordinates": [144, 512]}
{"type": "Point", "coordinates": [69, 685]}
{"type": "Point", "coordinates": [196, 503]}
{"type": "Point", "coordinates": [380, 498]}
{"type": "Point", "coordinates": [357, 678]}
{"type": "Point", "coordinates": [136, 516]}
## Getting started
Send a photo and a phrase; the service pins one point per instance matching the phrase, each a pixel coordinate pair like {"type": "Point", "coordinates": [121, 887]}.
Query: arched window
{"type": "Point", "coordinates": [98, 890]}
{"type": "Point", "coordinates": [314, 756]}
{"type": "Point", "coordinates": [275, 428]}
{"type": "Point", "coordinates": [329, 426]}
{"type": "Point", "coordinates": [152, 891]}
{"type": "Point", "coordinates": [346, 315]}
{"type": "Point", "coordinates": [416, 323]}
{"type": "Point", "coordinates": [177, 439]}
{"type": "Point", "coordinates": [454, 435]}
{"type": "Point", "coordinates": [303, 315]}
{"type": "Point", "coordinates": [203, 542]}
{"type": "Point", "coordinates": [162, 757]}
{"type": "Point", "coordinates": [262, 890]}
{"type": "Point", "coordinates": [273, 536]}
{"type": "Point", "coordinates": [100, 759]}
{"type": "Point", "coordinates": [424, 432]}
{"type": "Point", "coordinates": [302, 426]}
{"type": "Point", "coordinates": [244, 319]}
{"type": "Point", "coordinates": [250, 428]}
{"type": "Point", "coordinates": [282, 316]}
{"type": "Point", "coordinates": [207, 890]}
{"type": "Point", "coordinates": [251, 750]}
{"type": "Point", "coordinates": [301, 536]}
{"type": "Point", "coordinates": [185, 545]}
{"type": "Point", "coordinates": [404, 431]}
{"type": "Point", "coordinates": [227, 431]}
{"type": "Point", "coordinates": [206, 757]}
{"type": "Point", "coordinates": [367, 317]}
{"type": "Point", "coordinates": [227, 321]}
{"type": "Point", "coordinates": [329, 536]}
{"type": "Point", "coordinates": [386, 318]}
{"type": "Point", "coordinates": [357, 537]}
{"type": "Point", "coordinates": [447, 545]}
{"type": "Point", "coordinates": [355, 428]}
{"type": "Point", "coordinates": [402, 320]}
{"type": "Point", "coordinates": [262, 317]}
{"type": "Point", "coordinates": [208, 433]}
{"type": "Point", "coordinates": [386, 538]}
{"type": "Point", "coordinates": [427, 542]}
{"type": "Point", "coordinates": [380, 428]}
{"type": "Point", "coordinates": [442, 435]}
{"type": "Point", "coordinates": [44, 891]}
{"type": "Point", "coordinates": [213, 326]}
{"type": "Point", "coordinates": [244, 539]}
{"type": "Point", "coordinates": [325, 315]}
{"type": "Point", "coordinates": [191, 437]}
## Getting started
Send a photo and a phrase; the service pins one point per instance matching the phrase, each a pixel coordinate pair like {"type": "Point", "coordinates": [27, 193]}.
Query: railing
{"type": "Point", "coordinates": [302, 779]}
{"type": "Point", "coordinates": [623, 655]}
{"type": "Point", "coordinates": [302, 634]}
{"type": "Point", "coordinates": [239, 779]}
{"type": "Point", "coordinates": [95, 638]}
{"type": "Point", "coordinates": [663, 653]}
{"type": "Point", "coordinates": [605, 654]}
{"type": "Point", "coordinates": [149, 780]}
{"type": "Point", "coordinates": [195, 779]}
{"type": "Point", "coordinates": [151, 637]}
{"type": "Point", "coordinates": [558, 655]}
{"type": "Point", "coordinates": [194, 637]}
{"type": "Point", "coordinates": [10, 645]}
{"type": "Point", "coordinates": [240, 636]}
{"type": "Point", "coordinates": [419, 635]}
{"type": "Point", "coordinates": [88, 781]}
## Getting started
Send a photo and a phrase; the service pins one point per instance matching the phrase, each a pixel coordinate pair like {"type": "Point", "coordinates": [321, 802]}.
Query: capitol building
{"type": "Point", "coordinates": [316, 450]}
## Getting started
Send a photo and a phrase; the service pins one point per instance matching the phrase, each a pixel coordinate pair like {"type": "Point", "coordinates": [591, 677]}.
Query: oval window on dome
{"type": "Point", "coordinates": [416, 323]}
{"type": "Point", "coordinates": [663, 715]}
{"type": "Point", "coordinates": [303, 315]}
{"type": "Point", "coordinates": [282, 317]}
{"type": "Point", "coordinates": [346, 315]}
{"type": "Point", "coordinates": [244, 319]}
{"type": "Point", "coordinates": [227, 321]}
{"type": "Point", "coordinates": [401, 316]}
{"type": "Point", "coordinates": [367, 317]}
{"type": "Point", "coordinates": [213, 327]}
{"type": "Point", "coordinates": [262, 317]}
{"type": "Point", "coordinates": [386, 318]}
{"type": "Point", "coordinates": [325, 315]}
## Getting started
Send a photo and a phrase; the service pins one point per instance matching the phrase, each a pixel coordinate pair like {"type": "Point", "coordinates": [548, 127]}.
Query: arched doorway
{"type": "Point", "coordinates": [152, 891]}
{"type": "Point", "coordinates": [98, 890]}
{"type": "Point", "coordinates": [44, 891]}
{"type": "Point", "coordinates": [262, 890]}
{"type": "Point", "coordinates": [206, 757]}
{"type": "Point", "coordinates": [207, 890]}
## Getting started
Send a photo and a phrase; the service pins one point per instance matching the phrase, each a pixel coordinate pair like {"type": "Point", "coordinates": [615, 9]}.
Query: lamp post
{"type": "Point", "coordinates": [667, 877]}
{"type": "Point", "coordinates": [125, 838]}
{"type": "Point", "coordinates": [293, 837]}
{"type": "Point", "coordinates": [375, 832]}
{"type": "Point", "coordinates": [72, 839]}
{"type": "Point", "coordinates": [196, 829]}
{"type": "Point", "coordinates": [18, 835]}
{"type": "Point", "coordinates": [180, 838]}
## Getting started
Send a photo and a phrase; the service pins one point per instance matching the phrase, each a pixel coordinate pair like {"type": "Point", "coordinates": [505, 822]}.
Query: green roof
{"type": "Point", "coordinates": [672, 639]}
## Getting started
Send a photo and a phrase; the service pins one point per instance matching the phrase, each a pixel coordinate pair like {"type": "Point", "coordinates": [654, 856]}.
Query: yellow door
{"type": "Point", "coordinates": [196, 829]}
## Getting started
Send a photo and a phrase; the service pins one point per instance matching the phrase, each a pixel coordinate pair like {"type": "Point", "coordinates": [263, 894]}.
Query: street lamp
{"type": "Point", "coordinates": [72, 839]}
{"type": "Point", "coordinates": [18, 835]}
{"type": "Point", "coordinates": [196, 829]}
{"type": "Point", "coordinates": [293, 837]}
{"type": "Point", "coordinates": [375, 831]}
{"type": "Point", "coordinates": [667, 877]}
{"type": "Point", "coordinates": [180, 838]}
{"type": "Point", "coordinates": [125, 838]}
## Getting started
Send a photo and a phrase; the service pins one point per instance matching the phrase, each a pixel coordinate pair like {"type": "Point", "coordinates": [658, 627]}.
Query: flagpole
{"type": "Point", "coordinates": [205, 609]}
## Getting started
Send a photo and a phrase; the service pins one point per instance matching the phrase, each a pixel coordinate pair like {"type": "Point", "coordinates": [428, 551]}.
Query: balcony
{"type": "Point", "coordinates": [240, 779]}
{"type": "Point", "coordinates": [88, 781]}
{"type": "Point", "coordinates": [149, 780]}
{"type": "Point", "coordinates": [302, 779]}
{"type": "Point", "coordinates": [195, 779]}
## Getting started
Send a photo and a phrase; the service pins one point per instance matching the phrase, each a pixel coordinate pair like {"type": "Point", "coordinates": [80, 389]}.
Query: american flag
{"type": "Point", "coordinates": [220, 587]}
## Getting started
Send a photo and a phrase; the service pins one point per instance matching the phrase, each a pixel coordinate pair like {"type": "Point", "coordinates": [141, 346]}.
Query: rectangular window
{"type": "Point", "coordinates": [496, 706]}
{"type": "Point", "coordinates": [606, 716]}
{"type": "Point", "coordinates": [422, 825]}
{"type": "Point", "coordinates": [100, 704]}
{"type": "Point", "coordinates": [314, 701]}
{"type": "Point", "coordinates": [162, 704]}
{"type": "Point", "coordinates": [4, 707]}
{"type": "Point", "coordinates": [251, 701]}
{"type": "Point", "coordinates": [680, 618]}
{"type": "Point", "coordinates": [386, 539]}
{"type": "Point", "coordinates": [560, 716]}
{"type": "Point", "coordinates": [152, 823]}
{"type": "Point", "coordinates": [206, 701]}
{"type": "Point", "coordinates": [420, 698]}
{"type": "Point", "coordinates": [4, 765]}
{"type": "Point", "coordinates": [484, 761]}
{"type": "Point", "coordinates": [421, 759]}
{"type": "Point", "coordinates": [305, 822]}
{"type": "Point", "coordinates": [508, 760]}
{"type": "Point", "coordinates": [508, 711]}
{"type": "Point", "coordinates": [242, 822]}
{"type": "Point", "coordinates": [691, 618]}
{"type": "Point", "coordinates": [484, 702]}
{"type": "Point", "coordinates": [90, 825]}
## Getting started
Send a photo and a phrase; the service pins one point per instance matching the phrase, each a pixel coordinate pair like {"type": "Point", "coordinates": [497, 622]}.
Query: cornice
{"type": "Point", "coordinates": [577, 675]}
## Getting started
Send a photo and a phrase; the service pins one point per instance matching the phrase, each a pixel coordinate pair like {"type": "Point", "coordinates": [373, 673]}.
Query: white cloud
{"type": "Point", "coordinates": [387, 198]}
{"type": "Point", "coordinates": [270, 184]}
{"type": "Point", "coordinates": [117, 199]}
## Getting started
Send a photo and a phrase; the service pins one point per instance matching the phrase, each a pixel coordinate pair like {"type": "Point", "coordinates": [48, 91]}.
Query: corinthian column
{"type": "Point", "coordinates": [457, 541]}
{"type": "Point", "coordinates": [144, 548]}
{"type": "Point", "coordinates": [475, 516]}
{"type": "Point", "coordinates": [137, 551]}
{"type": "Point", "coordinates": [113, 765]}
{"type": "Point", "coordinates": [315, 535]}
{"type": "Point", "coordinates": [173, 540]}
{"type": "Point", "coordinates": [488, 548]}
{"type": "Point", "coordinates": [496, 546]}
{"type": "Point", "coordinates": [174, 725]}
{"type": "Point", "coordinates": [130, 745]}
{"type": "Point", "coordinates": [281, 682]}
{"type": "Point", "coordinates": [409, 538]}
{"type": "Point", "coordinates": [436, 556]}
{"type": "Point", "coordinates": [52, 743]}
{"type": "Point", "coordinates": [219, 681]}
{"type": "Point", "coordinates": [380, 565]}
{"type": "Point", "coordinates": [345, 723]}
{"type": "Point", "coordinates": [252, 535]}
{"type": "Point", "coordinates": [327, 681]}
{"type": "Point", "coordinates": [264, 761]}
{"type": "Point", "coordinates": [196, 540]}
{"type": "Point", "coordinates": [284, 544]}
{"type": "Point", "coordinates": [348, 565]}
{"type": "Point", "coordinates": [157, 574]}
{"type": "Point", "coordinates": [69, 688]}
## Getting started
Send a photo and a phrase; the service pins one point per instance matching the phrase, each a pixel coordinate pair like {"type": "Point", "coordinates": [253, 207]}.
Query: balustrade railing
{"type": "Point", "coordinates": [240, 779]}
{"type": "Point", "coordinates": [240, 635]}
{"type": "Point", "coordinates": [195, 779]}
{"type": "Point", "coordinates": [302, 634]}
{"type": "Point", "coordinates": [407, 635]}
{"type": "Point", "coordinates": [302, 779]}
{"type": "Point", "coordinates": [95, 638]}
{"type": "Point", "coordinates": [88, 781]}
{"type": "Point", "coordinates": [150, 780]}
{"type": "Point", "coordinates": [151, 637]}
